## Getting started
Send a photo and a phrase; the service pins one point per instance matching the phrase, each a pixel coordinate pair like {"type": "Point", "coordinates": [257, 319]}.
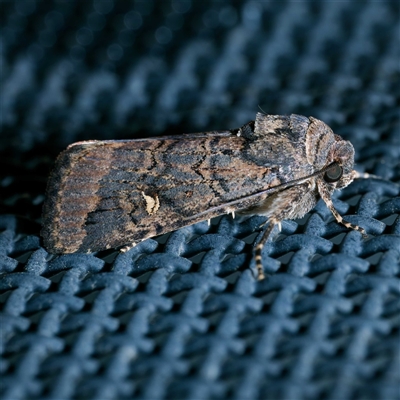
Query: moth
{"type": "Point", "coordinates": [113, 193]}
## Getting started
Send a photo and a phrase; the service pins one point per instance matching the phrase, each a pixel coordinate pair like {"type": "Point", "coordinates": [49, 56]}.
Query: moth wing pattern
{"type": "Point", "coordinates": [107, 194]}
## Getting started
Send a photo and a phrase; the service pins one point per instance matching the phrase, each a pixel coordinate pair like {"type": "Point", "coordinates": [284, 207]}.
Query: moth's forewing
{"type": "Point", "coordinates": [108, 194]}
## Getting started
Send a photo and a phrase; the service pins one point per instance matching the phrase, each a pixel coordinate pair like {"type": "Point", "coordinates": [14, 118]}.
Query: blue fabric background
{"type": "Point", "coordinates": [181, 316]}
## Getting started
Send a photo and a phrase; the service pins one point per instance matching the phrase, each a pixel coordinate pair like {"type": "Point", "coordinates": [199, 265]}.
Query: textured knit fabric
{"type": "Point", "coordinates": [182, 316]}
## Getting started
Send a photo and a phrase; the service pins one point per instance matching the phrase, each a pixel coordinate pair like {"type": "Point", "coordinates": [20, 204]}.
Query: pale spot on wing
{"type": "Point", "coordinates": [152, 203]}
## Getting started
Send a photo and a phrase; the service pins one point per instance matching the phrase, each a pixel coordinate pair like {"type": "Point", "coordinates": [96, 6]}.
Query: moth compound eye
{"type": "Point", "coordinates": [333, 174]}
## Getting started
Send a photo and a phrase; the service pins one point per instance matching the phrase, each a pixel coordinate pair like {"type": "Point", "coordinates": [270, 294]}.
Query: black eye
{"type": "Point", "coordinates": [333, 174]}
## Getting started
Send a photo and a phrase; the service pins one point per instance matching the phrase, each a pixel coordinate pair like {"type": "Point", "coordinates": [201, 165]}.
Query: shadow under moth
{"type": "Point", "coordinates": [108, 194]}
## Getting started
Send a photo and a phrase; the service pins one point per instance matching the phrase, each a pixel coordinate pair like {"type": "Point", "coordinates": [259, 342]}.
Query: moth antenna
{"type": "Point", "coordinates": [260, 246]}
{"type": "Point", "coordinates": [338, 217]}
{"type": "Point", "coordinates": [262, 110]}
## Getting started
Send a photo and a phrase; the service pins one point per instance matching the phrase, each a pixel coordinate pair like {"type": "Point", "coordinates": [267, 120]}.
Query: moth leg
{"type": "Point", "coordinates": [289, 204]}
{"type": "Point", "coordinates": [328, 201]}
{"type": "Point", "coordinates": [127, 248]}
{"type": "Point", "coordinates": [267, 221]}
{"type": "Point", "coordinates": [260, 246]}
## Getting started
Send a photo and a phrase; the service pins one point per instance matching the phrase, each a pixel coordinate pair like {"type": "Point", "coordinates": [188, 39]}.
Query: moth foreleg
{"type": "Point", "coordinates": [328, 201]}
{"type": "Point", "coordinates": [342, 221]}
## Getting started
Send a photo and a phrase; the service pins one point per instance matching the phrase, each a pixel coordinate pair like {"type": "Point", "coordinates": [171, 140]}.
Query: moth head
{"type": "Point", "coordinates": [339, 168]}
